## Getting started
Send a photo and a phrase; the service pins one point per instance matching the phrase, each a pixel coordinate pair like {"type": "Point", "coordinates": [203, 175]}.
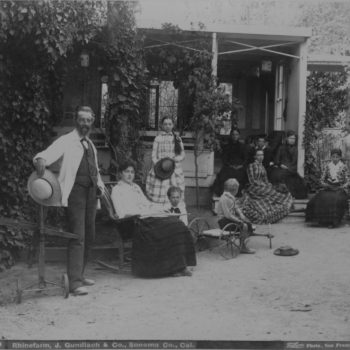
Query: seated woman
{"type": "Point", "coordinates": [328, 206]}
{"type": "Point", "coordinates": [262, 203]}
{"type": "Point", "coordinates": [286, 168]}
{"type": "Point", "coordinates": [235, 159]}
{"type": "Point", "coordinates": [163, 245]}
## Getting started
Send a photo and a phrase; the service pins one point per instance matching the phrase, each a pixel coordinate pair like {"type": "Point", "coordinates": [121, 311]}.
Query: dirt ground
{"type": "Point", "coordinates": [251, 297]}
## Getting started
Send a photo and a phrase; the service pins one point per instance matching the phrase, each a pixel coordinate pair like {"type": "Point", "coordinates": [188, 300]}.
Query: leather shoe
{"type": "Point", "coordinates": [88, 282]}
{"type": "Point", "coordinates": [247, 251]}
{"type": "Point", "coordinates": [184, 272]}
{"type": "Point", "coordinates": [80, 291]}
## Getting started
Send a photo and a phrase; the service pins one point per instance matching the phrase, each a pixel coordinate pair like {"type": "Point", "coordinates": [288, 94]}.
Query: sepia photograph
{"type": "Point", "coordinates": [175, 174]}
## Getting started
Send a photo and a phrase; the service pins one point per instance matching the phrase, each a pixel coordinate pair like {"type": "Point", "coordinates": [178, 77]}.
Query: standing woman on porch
{"type": "Point", "coordinates": [166, 145]}
{"type": "Point", "coordinates": [329, 205]}
{"type": "Point", "coordinates": [235, 160]}
{"type": "Point", "coordinates": [286, 168]}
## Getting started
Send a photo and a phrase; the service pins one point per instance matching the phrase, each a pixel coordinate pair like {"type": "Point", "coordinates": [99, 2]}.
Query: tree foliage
{"type": "Point", "coordinates": [126, 69]}
{"type": "Point", "coordinates": [36, 37]}
{"type": "Point", "coordinates": [326, 98]}
{"type": "Point", "coordinates": [190, 70]}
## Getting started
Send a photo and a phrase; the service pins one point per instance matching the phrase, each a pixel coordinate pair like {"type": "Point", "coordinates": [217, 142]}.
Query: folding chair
{"type": "Point", "coordinates": [230, 235]}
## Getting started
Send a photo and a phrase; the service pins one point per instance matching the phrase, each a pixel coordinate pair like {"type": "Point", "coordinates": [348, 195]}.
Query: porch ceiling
{"type": "Point", "coordinates": [237, 45]}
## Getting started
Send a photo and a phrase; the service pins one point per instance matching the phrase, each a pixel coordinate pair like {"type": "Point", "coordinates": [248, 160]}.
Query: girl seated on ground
{"type": "Point", "coordinates": [163, 245]}
{"type": "Point", "coordinates": [263, 203]}
{"type": "Point", "coordinates": [329, 205]}
{"type": "Point", "coordinates": [285, 170]}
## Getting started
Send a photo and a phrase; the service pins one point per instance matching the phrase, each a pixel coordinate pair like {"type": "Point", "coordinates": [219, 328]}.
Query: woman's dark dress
{"type": "Point", "coordinates": [162, 246]}
{"type": "Point", "coordinates": [288, 156]}
{"type": "Point", "coordinates": [234, 153]}
{"type": "Point", "coordinates": [328, 206]}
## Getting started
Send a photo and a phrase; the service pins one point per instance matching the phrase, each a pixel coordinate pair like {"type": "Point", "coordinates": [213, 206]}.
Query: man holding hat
{"type": "Point", "coordinates": [80, 182]}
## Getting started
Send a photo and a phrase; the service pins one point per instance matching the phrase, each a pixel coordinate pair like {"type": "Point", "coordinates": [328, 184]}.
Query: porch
{"type": "Point", "coordinates": [264, 68]}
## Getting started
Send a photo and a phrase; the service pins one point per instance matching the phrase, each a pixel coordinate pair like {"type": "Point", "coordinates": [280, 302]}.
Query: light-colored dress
{"type": "Point", "coordinates": [128, 199]}
{"type": "Point", "coordinates": [156, 189]}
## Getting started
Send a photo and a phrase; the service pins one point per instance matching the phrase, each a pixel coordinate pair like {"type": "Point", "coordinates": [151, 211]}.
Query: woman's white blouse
{"type": "Point", "coordinates": [334, 169]}
{"type": "Point", "coordinates": [128, 199]}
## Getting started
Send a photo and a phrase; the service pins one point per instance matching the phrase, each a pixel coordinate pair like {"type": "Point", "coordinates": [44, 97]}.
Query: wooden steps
{"type": "Point", "coordinates": [299, 206]}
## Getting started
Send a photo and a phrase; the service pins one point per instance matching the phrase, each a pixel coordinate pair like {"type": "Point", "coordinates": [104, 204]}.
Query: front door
{"type": "Point", "coordinates": [255, 95]}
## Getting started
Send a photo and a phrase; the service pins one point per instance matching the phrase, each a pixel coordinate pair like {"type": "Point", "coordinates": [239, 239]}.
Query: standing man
{"type": "Point", "coordinates": [80, 181]}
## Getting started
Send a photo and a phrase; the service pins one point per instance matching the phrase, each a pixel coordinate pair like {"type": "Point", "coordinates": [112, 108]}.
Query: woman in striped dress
{"type": "Point", "coordinates": [263, 203]}
{"type": "Point", "coordinates": [167, 144]}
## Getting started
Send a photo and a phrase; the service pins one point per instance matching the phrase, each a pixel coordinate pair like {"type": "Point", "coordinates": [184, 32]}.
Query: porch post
{"type": "Point", "coordinates": [214, 60]}
{"type": "Point", "coordinates": [302, 106]}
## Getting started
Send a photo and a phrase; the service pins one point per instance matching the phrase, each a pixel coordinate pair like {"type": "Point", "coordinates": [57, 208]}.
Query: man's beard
{"type": "Point", "coordinates": [84, 130]}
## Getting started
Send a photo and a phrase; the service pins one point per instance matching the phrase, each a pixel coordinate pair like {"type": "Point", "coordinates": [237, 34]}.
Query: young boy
{"type": "Point", "coordinates": [229, 212]}
{"type": "Point", "coordinates": [176, 205]}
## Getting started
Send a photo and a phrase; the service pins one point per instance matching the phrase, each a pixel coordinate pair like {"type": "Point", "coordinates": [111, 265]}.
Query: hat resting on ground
{"type": "Point", "coordinates": [164, 168]}
{"type": "Point", "coordinates": [45, 190]}
{"type": "Point", "coordinates": [286, 251]}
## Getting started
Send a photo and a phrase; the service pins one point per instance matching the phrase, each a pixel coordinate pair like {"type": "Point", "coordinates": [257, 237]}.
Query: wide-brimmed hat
{"type": "Point", "coordinates": [45, 190]}
{"type": "Point", "coordinates": [286, 251]}
{"type": "Point", "coordinates": [164, 168]}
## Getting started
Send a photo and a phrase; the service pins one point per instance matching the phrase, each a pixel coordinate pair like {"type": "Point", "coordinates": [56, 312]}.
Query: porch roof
{"type": "Point", "coordinates": [250, 42]}
{"type": "Point", "coordinates": [268, 33]}
{"type": "Point", "coordinates": [327, 63]}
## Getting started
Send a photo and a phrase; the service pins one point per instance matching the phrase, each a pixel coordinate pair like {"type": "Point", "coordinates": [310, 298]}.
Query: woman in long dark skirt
{"type": "Point", "coordinates": [162, 245]}
{"type": "Point", "coordinates": [235, 160]}
{"type": "Point", "coordinates": [329, 205]}
{"type": "Point", "coordinates": [286, 168]}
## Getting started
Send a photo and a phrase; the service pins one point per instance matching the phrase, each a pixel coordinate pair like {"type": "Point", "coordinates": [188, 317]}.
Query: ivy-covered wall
{"type": "Point", "coordinates": [36, 37]}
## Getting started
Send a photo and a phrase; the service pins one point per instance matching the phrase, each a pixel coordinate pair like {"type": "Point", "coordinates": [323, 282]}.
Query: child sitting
{"type": "Point", "coordinates": [229, 212]}
{"type": "Point", "coordinates": [176, 205]}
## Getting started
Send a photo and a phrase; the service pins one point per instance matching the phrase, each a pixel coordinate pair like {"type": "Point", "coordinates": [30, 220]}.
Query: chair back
{"type": "Point", "coordinates": [106, 200]}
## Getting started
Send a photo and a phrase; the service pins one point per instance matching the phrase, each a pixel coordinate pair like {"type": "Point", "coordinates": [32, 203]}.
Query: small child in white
{"type": "Point", "coordinates": [176, 205]}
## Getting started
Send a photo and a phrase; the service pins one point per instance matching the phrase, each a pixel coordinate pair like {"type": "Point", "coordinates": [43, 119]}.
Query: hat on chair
{"type": "Point", "coordinates": [45, 190]}
{"type": "Point", "coordinates": [164, 168]}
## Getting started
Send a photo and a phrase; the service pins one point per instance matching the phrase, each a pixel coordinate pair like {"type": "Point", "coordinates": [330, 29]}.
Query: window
{"type": "Point", "coordinates": [104, 98]}
{"type": "Point", "coordinates": [279, 96]}
{"type": "Point", "coordinates": [163, 102]}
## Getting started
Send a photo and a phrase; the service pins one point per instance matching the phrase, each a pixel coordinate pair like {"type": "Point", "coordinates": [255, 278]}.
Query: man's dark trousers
{"type": "Point", "coordinates": [81, 216]}
{"type": "Point", "coordinates": [81, 213]}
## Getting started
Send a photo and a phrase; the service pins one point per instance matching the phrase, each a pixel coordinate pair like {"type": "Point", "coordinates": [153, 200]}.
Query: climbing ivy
{"type": "Point", "coordinates": [191, 71]}
{"type": "Point", "coordinates": [36, 37]}
{"type": "Point", "coordinates": [326, 98]}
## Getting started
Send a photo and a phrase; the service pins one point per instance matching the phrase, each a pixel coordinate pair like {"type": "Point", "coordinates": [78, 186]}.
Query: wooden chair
{"type": "Point", "coordinates": [123, 228]}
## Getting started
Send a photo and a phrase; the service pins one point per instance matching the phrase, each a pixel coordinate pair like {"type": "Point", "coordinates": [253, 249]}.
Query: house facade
{"type": "Point", "coordinates": [265, 68]}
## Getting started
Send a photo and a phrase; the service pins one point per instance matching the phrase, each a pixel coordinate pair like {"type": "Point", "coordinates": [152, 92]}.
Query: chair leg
{"type": "Point", "coordinates": [120, 245]}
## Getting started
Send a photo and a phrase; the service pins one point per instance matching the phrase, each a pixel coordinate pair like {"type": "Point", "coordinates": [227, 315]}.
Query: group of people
{"type": "Point", "coordinates": [253, 191]}
{"type": "Point", "coordinates": [267, 182]}
{"type": "Point", "coordinates": [163, 244]}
